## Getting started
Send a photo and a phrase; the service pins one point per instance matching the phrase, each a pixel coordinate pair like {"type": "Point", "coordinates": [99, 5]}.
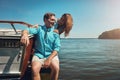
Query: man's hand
{"type": "Point", "coordinates": [35, 26]}
{"type": "Point", "coordinates": [47, 63]}
{"type": "Point", "coordinates": [56, 31]}
{"type": "Point", "coordinates": [49, 59]}
{"type": "Point", "coordinates": [25, 38]}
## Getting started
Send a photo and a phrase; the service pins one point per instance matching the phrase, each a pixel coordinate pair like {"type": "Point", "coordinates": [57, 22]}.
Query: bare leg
{"type": "Point", "coordinates": [36, 66]}
{"type": "Point", "coordinates": [54, 69]}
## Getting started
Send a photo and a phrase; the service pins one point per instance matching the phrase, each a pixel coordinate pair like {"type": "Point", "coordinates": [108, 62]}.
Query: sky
{"type": "Point", "coordinates": [90, 17]}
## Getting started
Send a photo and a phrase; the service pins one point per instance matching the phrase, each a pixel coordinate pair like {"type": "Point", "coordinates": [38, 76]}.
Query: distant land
{"type": "Point", "coordinates": [111, 34]}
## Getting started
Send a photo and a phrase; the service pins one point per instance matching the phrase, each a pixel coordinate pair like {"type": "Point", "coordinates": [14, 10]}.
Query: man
{"type": "Point", "coordinates": [47, 46]}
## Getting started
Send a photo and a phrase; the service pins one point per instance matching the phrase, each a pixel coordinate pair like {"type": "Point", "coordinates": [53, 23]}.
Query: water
{"type": "Point", "coordinates": [89, 59]}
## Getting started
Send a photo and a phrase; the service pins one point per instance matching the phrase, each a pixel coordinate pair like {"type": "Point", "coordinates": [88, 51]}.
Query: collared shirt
{"type": "Point", "coordinates": [46, 41]}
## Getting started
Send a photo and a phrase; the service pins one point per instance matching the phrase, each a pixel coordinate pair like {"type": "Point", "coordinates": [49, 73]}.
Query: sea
{"type": "Point", "coordinates": [89, 59]}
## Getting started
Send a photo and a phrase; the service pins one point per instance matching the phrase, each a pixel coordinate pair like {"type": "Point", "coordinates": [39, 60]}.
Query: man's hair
{"type": "Point", "coordinates": [48, 15]}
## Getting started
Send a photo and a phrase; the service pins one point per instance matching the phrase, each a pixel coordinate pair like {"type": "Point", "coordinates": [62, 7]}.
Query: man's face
{"type": "Point", "coordinates": [50, 22]}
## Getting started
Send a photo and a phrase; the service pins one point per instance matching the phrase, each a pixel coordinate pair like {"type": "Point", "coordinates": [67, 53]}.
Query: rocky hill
{"type": "Point", "coordinates": [111, 34]}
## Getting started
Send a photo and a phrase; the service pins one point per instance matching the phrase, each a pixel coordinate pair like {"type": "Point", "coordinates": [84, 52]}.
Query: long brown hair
{"type": "Point", "coordinates": [65, 24]}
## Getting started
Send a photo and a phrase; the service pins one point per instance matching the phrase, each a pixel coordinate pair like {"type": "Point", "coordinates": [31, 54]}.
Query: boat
{"type": "Point", "coordinates": [14, 56]}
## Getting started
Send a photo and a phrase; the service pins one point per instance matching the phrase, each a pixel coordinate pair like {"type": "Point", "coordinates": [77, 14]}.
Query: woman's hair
{"type": "Point", "coordinates": [65, 24]}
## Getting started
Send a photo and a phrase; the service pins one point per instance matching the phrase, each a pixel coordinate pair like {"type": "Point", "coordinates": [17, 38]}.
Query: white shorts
{"type": "Point", "coordinates": [36, 58]}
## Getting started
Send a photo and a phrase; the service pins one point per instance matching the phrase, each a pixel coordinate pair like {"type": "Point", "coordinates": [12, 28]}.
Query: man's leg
{"type": "Point", "coordinates": [54, 68]}
{"type": "Point", "coordinates": [36, 66]}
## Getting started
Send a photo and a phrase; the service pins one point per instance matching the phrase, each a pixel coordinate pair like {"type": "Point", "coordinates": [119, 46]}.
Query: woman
{"type": "Point", "coordinates": [65, 24]}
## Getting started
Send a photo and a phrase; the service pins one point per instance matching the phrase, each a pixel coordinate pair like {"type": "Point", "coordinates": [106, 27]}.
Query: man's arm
{"type": "Point", "coordinates": [24, 37]}
{"type": "Point", "coordinates": [54, 52]}
{"type": "Point", "coordinates": [49, 59]}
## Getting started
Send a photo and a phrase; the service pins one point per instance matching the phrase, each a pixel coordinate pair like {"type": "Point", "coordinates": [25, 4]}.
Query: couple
{"type": "Point", "coordinates": [47, 43]}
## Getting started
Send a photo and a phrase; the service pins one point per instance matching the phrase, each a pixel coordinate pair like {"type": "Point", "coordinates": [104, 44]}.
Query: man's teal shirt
{"type": "Point", "coordinates": [46, 41]}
